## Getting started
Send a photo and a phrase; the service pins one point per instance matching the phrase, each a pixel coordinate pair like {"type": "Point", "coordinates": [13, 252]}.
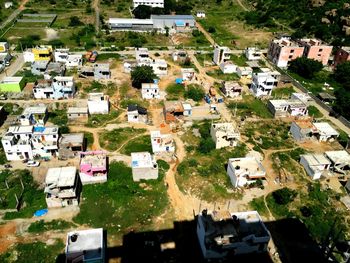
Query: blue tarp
{"type": "Point", "coordinates": [178, 81]}
{"type": "Point", "coordinates": [39, 129]}
{"type": "Point", "coordinates": [41, 212]}
{"type": "Point", "coordinates": [179, 23]}
{"type": "Point", "coordinates": [155, 81]}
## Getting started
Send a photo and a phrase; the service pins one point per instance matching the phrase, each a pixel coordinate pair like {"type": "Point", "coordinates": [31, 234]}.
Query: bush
{"type": "Point", "coordinates": [305, 67]}
{"type": "Point", "coordinates": [206, 145]}
{"type": "Point", "coordinates": [75, 21]}
{"type": "Point", "coordinates": [142, 74]}
{"type": "Point", "coordinates": [284, 196]}
{"type": "Point", "coordinates": [195, 93]}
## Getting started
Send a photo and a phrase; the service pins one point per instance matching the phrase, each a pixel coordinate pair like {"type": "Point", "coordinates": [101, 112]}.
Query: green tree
{"type": "Point", "coordinates": [142, 74]}
{"type": "Point", "coordinates": [342, 73]}
{"type": "Point", "coordinates": [194, 92]}
{"type": "Point", "coordinates": [75, 21]}
{"type": "Point", "coordinates": [206, 145]}
{"type": "Point", "coordinates": [305, 67]}
{"type": "Point", "coordinates": [142, 11]}
{"type": "Point", "coordinates": [284, 196]}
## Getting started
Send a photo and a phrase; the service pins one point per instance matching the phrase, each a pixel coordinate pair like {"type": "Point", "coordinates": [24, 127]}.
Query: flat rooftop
{"type": "Point", "coordinates": [94, 159]}
{"type": "Point", "coordinates": [316, 159]}
{"type": "Point", "coordinates": [97, 96]}
{"type": "Point", "coordinates": [339, 157]}
{"type": "Point", "coordinates": [249, 164]}
{"type": "Point", "coordinates": [72, 110]}
{"type": "Point", "coordinates": [61, 176]}
{"type": "Point", "coordinates": [141, 160]}
{"type": "Point", "coordinates": [304, 124]}
{"type": "Point", "coordinates": [72, 138]}
{"type": "Point", "coordinates": [149, 86]}
{"type": "Point", "coordinates": [279, 103]}
{"type": "Point", "coordinates": [11, 80]}
{"type": "Point", "coordinates": [40, 109]}
{"type": "Point", "coordinates": [325, 128]}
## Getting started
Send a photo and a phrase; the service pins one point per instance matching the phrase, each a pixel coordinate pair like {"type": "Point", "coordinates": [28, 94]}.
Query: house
{"type": "Point", "coordinates": [8, 5]}
{"type": "Point", "coordinates": [244, 72]}
{"type": "Point", "coordinates": [180, 56]}
{"type": "Point", "coordinates": [86, 246]}
{"type": "Point", "coordinates": [200, 14]}
{"type": "Point", "coordinates": [224, 135]}
{"type": "Point", "coordinates": [253, 53]}
{"type": "Point", "coordinates": [55, 69]}
{"type": "Point", "coordinates": [175, 23]}
{"type": "Point", "coordinates": [142, 55]}
{"type": "Point", "coordinates": [162, 142]}
{"type": "Point", "coordinates": [129, 65]}
{"type": "Point", "coordinates": [62, 187]}
{"type": "Point", "coordinates": [70, 144]}
{"type": "Point", "coordinates": [283, 50]}
{"type": "Point", "coordinates": [222, 234]}
{"type": "Point", "coordinates": [173, 110]}
{"type": "Point", "coordinates": [98, 103]}
{"type": "Point", "coordinates": [34, 115]}
{"type": "Point", "coordinates": [160, 67]}
{"type": "Point", "coordinates": [40, 53]}
{"type": "Point", "coordinates": [221, 54]}
{"type": "Point", "coordinates": [231, 89]}
{"type": "Point", "coordinates": [12, 84]}
{"type": "Point", "coordinates": [93, 167]}
{"type": "Point", "coordinates": [130, 24]}
{"type": "Point", "coordinates": [326, 97]}
{"type": "Point", "coordinates": [188, 74]}
{"type": "Point", "coordinates": [102, 71]}
{"type": "Point", "coordinates": [137, 114]}
{"type": "Point", "coordinates": [304, 97]}
{"type": "Point", "coordinates": [340, 161]}
{"type": "Point", "coordinates": [262, 84]}
{"type": "Point", "coordinates": [187, 109]}
{"type": "Point", "coordinates": [302, 130]}
{"type": "Point", "coordinates": [45, 141]}
{"type": "Point", "coordinates": [342, 55]}
{"type": "Point", "coordinates": [325, 132]}
{"type": "Point", "coordinates": [77, 114]}
{"type": "Point", "coordinates": [39, 67]}
{"type": "Point", "coordinates": [315, 165]}
{"type": "Point", "coordinates": [70, 60]}
{"type": "Point", "coordinates": [150, 91]}
{"type": "Point", "coordinates": [228, 67]}
{"type": "Point", "coordinates": [285, 108]}
{"type": "Point", "coordinates": [17, 143]}
{"type": "Point", "coordinates": [151, 3]}
{"type": "Point", "coordinates": [144, 166]}
{"type": "Point", "coordinates": [244, 171]}
{"type": "Point", "coordinates": [316, 49]}
{"type": "Point", "coordinates": [57, 88]}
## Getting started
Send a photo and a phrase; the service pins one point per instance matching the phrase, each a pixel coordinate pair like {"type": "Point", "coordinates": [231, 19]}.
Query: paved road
{"type": "Point", "coordinates": [16, 65]}
{"type": "Point", "coordinates": [14, 14]}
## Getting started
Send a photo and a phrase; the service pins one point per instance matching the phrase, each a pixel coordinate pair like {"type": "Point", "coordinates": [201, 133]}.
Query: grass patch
{"type": "Point", "coordinates": [12, 109]}
{"type": "Point", "coordinates": [205, 58]}
{"type": "Point", "coordinates": [314, 112]}
{"type": "Point", "coordinates": [218, 74]}
{"type": "Point", "coordinates": [28, 76]}
{"type": "Point", "coordinates": [108, 56]}
{"type": "Point", "coordinates": [89, 139]}
{"type": "Point", "coordinates": [175, 91]}
{"type": "Point", "coordinates": [258, 204]}
{"type": "Point", "coordinates": [42, 226]}
{"type": "Point", "coordinates": [100, 120]}
{"type": "Point", "coordinates": [33, 252]}
{"type": "Point", "coordinates": [240, 61]}
{"type": "Point", "coordinates": [126, 101]}
{"type": "Point", "coordinates": [120, 203]}
{"type": "Point", "coordinates": [282, 93]}
{"type": "Point", "coordinates": [250, 107]}
{"type": "Point", "coordinates": [113, 140]}
{"type": "Point", "coordinates": [140, 144]}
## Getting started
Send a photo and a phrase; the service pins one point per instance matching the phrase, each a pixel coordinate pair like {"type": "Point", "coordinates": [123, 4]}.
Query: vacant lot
{"type": "Point", "coordinates": [113, 140]}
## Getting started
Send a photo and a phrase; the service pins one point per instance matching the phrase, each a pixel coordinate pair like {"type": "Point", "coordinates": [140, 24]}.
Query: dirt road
{"type": "Point", "coordinates": [96, 7]}
{"type": "Point", "coordinates": [205, 33]}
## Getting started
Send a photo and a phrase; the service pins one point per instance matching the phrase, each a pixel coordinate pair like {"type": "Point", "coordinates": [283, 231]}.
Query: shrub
{"type": "Point", "coordinates": [206, 145]}
{"type": "Point", "coordinates": [195, 93]}
{"type": "Point", "coordinates": [305, 67]}
{"type": "Point", "coordinates": [284, 196]}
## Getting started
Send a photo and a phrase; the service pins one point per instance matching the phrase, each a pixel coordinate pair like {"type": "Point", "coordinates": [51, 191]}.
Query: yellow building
{"type": "Point", "coordinates": [42, 53]}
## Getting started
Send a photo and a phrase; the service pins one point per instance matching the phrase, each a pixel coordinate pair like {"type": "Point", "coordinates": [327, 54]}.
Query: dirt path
{"type": "Point", "coordinates": [95, 6]}
{"type": "Point", "coordinates": [241, 5]}
{"type": "Point", "coordinates": [205, 33]}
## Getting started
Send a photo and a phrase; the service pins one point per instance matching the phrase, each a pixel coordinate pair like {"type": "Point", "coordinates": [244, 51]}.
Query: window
{"type": "Point", "coordinates": [290, 56]}
{"type": "Point", "coordinates": [292, 51]}
{"type": "Point", "coordinates": [320, 50]}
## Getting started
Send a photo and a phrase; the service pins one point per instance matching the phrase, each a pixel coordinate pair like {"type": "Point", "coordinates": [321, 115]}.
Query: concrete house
{"type": "Point", "coordinates": [302, 130]}
{"type": "Point", "coordinates": [188, 74]}
{"type": "Point", "coordinates": [180, 56]}
{"type": "Point", "coordinates": [129, 65]}
{"type": "Point", "coordinates": [12, 84]}
{"type": "Point", "coordinates": [315, 165]}
{"type": "Point", "coordinates": [70, 60]}
{"type": "Point", "coordinates": [221, 54]}
{"type": "Point", "coordinates": [325, 132]}
{"type": "Point", "coordinates": [34, 115]}
{"type": "Point", "coordinates": [62, 187]}
{"type": "Point", "coordinates": [45, 141]}
{"type": "Point", "coordinates": [86, 246]}
{"type": "Point", "coordinates": [173, 110]}
{"type": "Point", "coordinates": [200, 14]}
{"type": "Point", "coordinates": [160, 67]}
{"type": "Point", "coordinates": [150, 91]}
{"type": "Point", "coordinates": [102, 71]}
{"type": "Point", "coordinates": [316, 49]}
{"type": "Point", "coordinates": [137, 114]}
{"type": "Point", "coordinates": [151, 3]}
{"type": "Point", "coordinates": [342, 55]}
{"type": "Point", "coordinates": [304, 97]}
{"type": "Point", "coordinates": [142, 55]}
{"type": "Point", "coordinates": [246, 72]}
{"type": "Point", "coordinates": [244, 171]}
{"type": "Point", "coordinates": [57, 88]}
{"type": "Point", "coordinates": [224, 135]}
{"type": "Point", "coordinates": [144, 166]}
{"type": "Point", "coordinates": [231, 89]}
{"type": "Point", "coordinates": [263, 84]}
{"type": "Point", "coordinates": [162, 142]}
{"type": "Point", "coordinates": [98, 103]}
{"type": "Point", "coordinates": [93, 167]}
{"type": "Point", "coordinates": [39, 67]}
{"type": "Point", "coordinates": [70, 145]}
{"type": "Point", "coordinates": [283, 50]}
{"type": "Point", "coordinates": [285, 108]}
{"type": "Point", "coordinates": [222, 234]}
{"type": "Point", "coordinates": [253, 53]}
{"type": "Point", "coordinates": [40, 53]}
{"type": "Point", "coordinates": [340, 161]}
{"type": "Point", "coordinates": [55, 69]}
{"type": "Point", "coordinates": [78, 114]}
{"type": "Point", "coordinates": [228, 67]}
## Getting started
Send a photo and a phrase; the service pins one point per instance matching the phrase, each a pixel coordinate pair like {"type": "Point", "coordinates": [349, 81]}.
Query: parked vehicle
{"type": "Point", "coordinates": [32, 164]}
{"type": "Point", "coordinates": [8, 165]}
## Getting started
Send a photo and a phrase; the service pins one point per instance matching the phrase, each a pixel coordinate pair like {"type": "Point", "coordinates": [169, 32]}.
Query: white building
{"type": "Point", "coordinates": [86, 246]}
{"type": "Point", "coordinates": [340, 161]}
{"type": "Point", "coordinates": [221, 54]}
{"type": "Point", "coordinates": [262, 84]}
{"type": "Point", "coordinates": [144, 166]}
{"type": "Point", "coordinates": [253, 53]}
{"type": "Point", "coordinates": [325, 131]}
{"type": "Point", "coordinates": [137, 114]}
{"type": "Point", "coordinates": [200, 14]}
{"type": "Point", "coordinates": [231, 89]}
{"type": "Point", "coordinates": [57, 88]}
{"type": "Point", "coordinates": [142, 55]}
{"type": "Point", "coordinates": [8, 4]}
{"type": "Point", "coordinates": [162, 142]}
{"type": "Point", "coordinates": [243, 171]}
{"type": "Point", "coordinates": [62, 187]}
{"type": "Point", "coordinates": [224, 135]}
{"type": "Point", "coordinates": [98, 103]}
{"type": "Point", "coordinates": [304, 97]}
{"type": "Point", "coordinates": [93, 167]}
{"type": "Point", "coordinates": [315, 165]}
{"type": "Point", "coordinates": [222, 234]}
{"type": "Point", "coordinates": [188, 74]}
{"type": "Point", "coordinates": [228, 67]}
{"type": "Point", "coordinates": [151, 3]}
{"type": "Point", "coordinates": [246, 72]}
{"type": "Point", "coordinates": [150, 91]}
{"type": "Point", "coordinates": [284, 108]}
{"type": "Point", "coordinates": [70, 60]}
{"type": "Point", "coordinates": [160, 67]}
{"type": "Point", "coordinates": [34, 115]}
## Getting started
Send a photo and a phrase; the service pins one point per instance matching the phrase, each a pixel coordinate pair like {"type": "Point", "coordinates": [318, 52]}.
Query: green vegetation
{"type": "Point", "coordinates": [28, 76]}
{"type": "Point", "coordinates": [121, 203]}
{"type": "Point", "coordinates": [89, 139]}
{"type": "Point", "coordinates": [258, 204]}
{"type": "Point", "coordinates": [139, 144]}
{"type": "Point", "coordinates": [250, 106]}
{"type": "Point", "coordinates": [100, 120]}
{"type": "Point", "coordinates": [204, 58]}
{"type": "Point", "coordinates": [218, 74]}
{"type": "Point", "coordinates": [240, 61]}
{"type": "Point", "coordinates": [33, 252]}
{"type": "Point", "coordinates": [42, 226]}
{"type": "Point", "coordinates": [282, 92]}
{"type": "Point", "coordinates": [194, 92]}
{"type": "Point", "coordinates": [3, 158]}
{"type": "Point", "coordinates": [113, 140]}
{"type": "Point", "coordinates": [96, 86]}
{"type": "Point", "coordinates": [12, 109]}
{"type": "Point", "coordinates": [60, 118]}
{"type": "Point", "coordinates": [175, 91]}
{"type": "Point", "coordinates": [31, 196]}
{"type": "Point", "coordinates": [314, 112]}
{"type": "Point", "coordinates": [142, 74]}
{"type": "Point", "coordinates": [107, 56]}
{"type": "Point", "coordinates": [305, 67]}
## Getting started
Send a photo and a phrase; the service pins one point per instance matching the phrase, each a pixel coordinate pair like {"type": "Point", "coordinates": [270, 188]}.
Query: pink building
{"type": "Point", "coordinates": [342, 55]}
{"type": "Point", "coordinates": [316, 49]}
{"type": "Point", "coordinates": [93, 167]}
{"type": "Point", "coordinates": [282, 51]}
